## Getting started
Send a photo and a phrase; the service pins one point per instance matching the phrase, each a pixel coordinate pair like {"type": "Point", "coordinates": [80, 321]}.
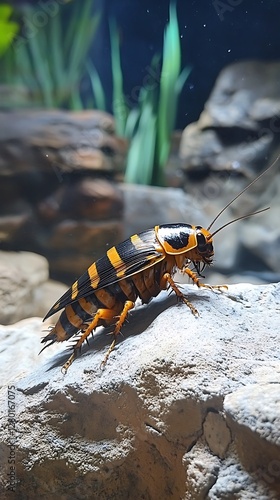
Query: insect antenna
{"type": "Point", "coordinates": [238, 218]}
{"type": "Point", "coordinates": [237, 196]}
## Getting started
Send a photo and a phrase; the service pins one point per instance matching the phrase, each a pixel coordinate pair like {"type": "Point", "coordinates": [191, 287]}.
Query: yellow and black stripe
{"type": "Point", "coordinates": [129, 257]}
{"type": "Point", "coordinates": [140, 266]}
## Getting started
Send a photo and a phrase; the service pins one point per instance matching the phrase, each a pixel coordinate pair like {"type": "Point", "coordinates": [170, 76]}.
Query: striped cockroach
{"type": "Point", "coordinates": [141, 266]}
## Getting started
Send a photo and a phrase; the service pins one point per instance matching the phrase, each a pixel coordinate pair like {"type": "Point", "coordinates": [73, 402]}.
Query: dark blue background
{"type": "Point", "coordinates": [247, 29]}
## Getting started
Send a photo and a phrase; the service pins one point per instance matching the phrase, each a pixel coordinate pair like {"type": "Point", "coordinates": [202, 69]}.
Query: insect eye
{"type": "Point", "coordinates": [201, 240]}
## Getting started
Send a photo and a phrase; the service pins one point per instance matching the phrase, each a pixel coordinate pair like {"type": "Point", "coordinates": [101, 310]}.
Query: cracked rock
{"type": "Point", "coordinates": [186, 407]}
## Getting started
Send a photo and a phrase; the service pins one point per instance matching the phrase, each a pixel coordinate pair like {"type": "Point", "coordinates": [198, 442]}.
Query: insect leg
{"type": "Point", "coordinates": [101, 314]}
{"type": "Point", "coordinates": [127, 307]}
{"type": "Point", "coordinates": [168, 279]}
{"type": "Point", "coordinates": [195, 279]}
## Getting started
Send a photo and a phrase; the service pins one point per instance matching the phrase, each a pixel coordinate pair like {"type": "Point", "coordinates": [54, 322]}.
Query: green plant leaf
{"type": "Point", "coordinates": [150, 124]}
{"type": "Point", "coordinates": [96, 85]}
{"type": "Point", "coordinates": [8, 28]}
{"type": "Point", "coordinates": [52, 62]}
{"type": "Point", "coordinates": [168, 97]}
{"type": "Point", "coordinates": [119, 106]}
{"type": "Point", "coordinates": [141, 152]}
{"type": "Point", "coordinates": [131, 122]}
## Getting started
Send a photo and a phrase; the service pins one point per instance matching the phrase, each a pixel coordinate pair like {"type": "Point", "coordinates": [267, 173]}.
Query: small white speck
{"type": "Point", "coordinates": [235, 165]}
{"type": "Point", "coordinates": [148, 12]}
{"type": "Point", "coordinates": [229, 50]}
{"type": "Point", "coordinates": [47, 156]}
{"type": "Point", "coordinates": [204, 26]}
{"type": "Point", "coordinates": [181, 36]}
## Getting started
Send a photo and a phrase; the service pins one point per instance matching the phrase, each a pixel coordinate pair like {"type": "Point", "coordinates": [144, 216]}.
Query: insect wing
{"type": "Point", "coordinates": [133, 255]}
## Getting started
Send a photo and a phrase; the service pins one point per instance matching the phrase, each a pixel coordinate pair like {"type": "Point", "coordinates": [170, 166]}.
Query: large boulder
{"type": "Point", "coordinates": [25, 288]}
{"type": "Point", "coordinates": [235, 138]}
{"type": "Point", "coordinates": [239, 126]}
{"type": "Point", "coordinates": [58, 196]}
{"type": "Point", "coordinates": [186, 407]}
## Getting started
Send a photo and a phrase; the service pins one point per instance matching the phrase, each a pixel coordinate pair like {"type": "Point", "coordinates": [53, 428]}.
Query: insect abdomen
{"type": "Point", "coordinates": [72, 319]}
{"type": "Point", "coordinates": [145, 285]}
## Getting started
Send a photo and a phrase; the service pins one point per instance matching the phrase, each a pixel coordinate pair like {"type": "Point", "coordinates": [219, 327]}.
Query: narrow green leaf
{"type": "Point", "coordinates": [131, 122]}
{"type": "Point", "coordinates": [8, 28]}
{"type": "Point", "coordinates": [168, 92]}
{"type": "Point", "coordinates": [96, 85]}
{"type": "Point", "coordinates": [55, 38]}
{"type": "Point", "coordinates": [119, 106]}
{"type": "Point", "coordinates": [141, 152]}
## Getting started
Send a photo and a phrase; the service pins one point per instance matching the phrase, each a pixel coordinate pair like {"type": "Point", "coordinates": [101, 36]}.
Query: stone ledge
{"type": "Point", "coordinates": [153, 423]}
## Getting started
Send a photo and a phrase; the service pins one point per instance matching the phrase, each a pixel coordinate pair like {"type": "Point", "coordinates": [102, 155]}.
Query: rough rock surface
{"type": "Point", "coordinates": [235, 138]}
{"type": "Point", "coordinates": [148, 206]}
{"type": "Point", "coordinates": [25, 289]}
{"type": "Point", "coordinates": [20, 345]}
{"type": "Point", "coordinates": [249, 248]}
{"type": "Point", "coordinates": [239, 126]}
{"type": "Point", "coordinates": [59, 141]}
{"type": "Point", "coordinates": [168, 417]}
{"type": "Point", "coordinates": [57, 191]}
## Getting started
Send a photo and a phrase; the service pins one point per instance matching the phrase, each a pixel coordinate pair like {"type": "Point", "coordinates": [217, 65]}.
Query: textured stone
{"type": "Point", "coordinates": [93, 199]}
{"type": "Point", "coordinates": [235, 138]}
{"type": "Point", "coordinates": [151, 424]}
{"type": "Point", "coordinates": [24, 286]}
{"type": "Point", "coordinates": [253, 414]}
{"type": "Point", "coordinates": [238, 130]}
{"type": "Point", "coordinates": [57, 175]}
{"type": "Point", "coordinates": [246, 92]}
{"type": "Point", "coordinates": [217, 434]}
{"type": "Point", "coordinates": [148, 206]}
{"type": "Point", "coordinates": [58, 141]}
{"type": "Point", "coordinates": [19, 349]}
{"type": "Point", "coordinates": [20, 276]}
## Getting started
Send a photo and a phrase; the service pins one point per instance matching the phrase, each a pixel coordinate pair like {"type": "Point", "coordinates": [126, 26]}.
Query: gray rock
{"type": "Point", "coordinates": [148, 206]}
{"type": "Point", "coordinates": [25, 289]}
{"type": "Point", "coordinates": [20, 345]}
{"type": "Point", "coordinates": [59, 141]}
{"type": "Point", "coordinates": [236, 137]}
{"type": "Point", "coordinates": [253, 413]}
{"type": "Point", "coordinates": [152, 423]}
{"type": "Point", "coordinates": [57, 188]}
{"type": "Point", "coordinates": [243, 407]}
{"type": "Point", "coordinates": [246, 92]}
{"type": "Point", "coordinates": [261, 237]}
{"type": "Point", "coordinates": [21, 273]}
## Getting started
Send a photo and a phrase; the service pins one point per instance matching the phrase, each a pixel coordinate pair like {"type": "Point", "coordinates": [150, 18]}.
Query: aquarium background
{"type": "Point", "coordinates": [213, 35]}
{"type": "Point", "coordinates": [109, 95]}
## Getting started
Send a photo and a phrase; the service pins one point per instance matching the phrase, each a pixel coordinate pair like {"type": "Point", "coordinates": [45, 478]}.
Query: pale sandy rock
{"type": "Point", "coordinates": [21, 273]}
{"type": "Point", "coordinates": [46, 294]}
{"type": "Point", "coordinates": [210, 478]}
{"type": "Point", "coordinates": [202, 469]}
{"type": "Point", "coordinates": [152, 423]}
{"type": "Point", "coordinates": [20, 346]}
{"type": "Point", "coordinates": [217, 434]}
{"type": "Point", "coordinates": [258, 408]}
{"type": "Point", "coordinates": [253, 412]}
{"type": "Point", "coordinates": [25, 289]}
